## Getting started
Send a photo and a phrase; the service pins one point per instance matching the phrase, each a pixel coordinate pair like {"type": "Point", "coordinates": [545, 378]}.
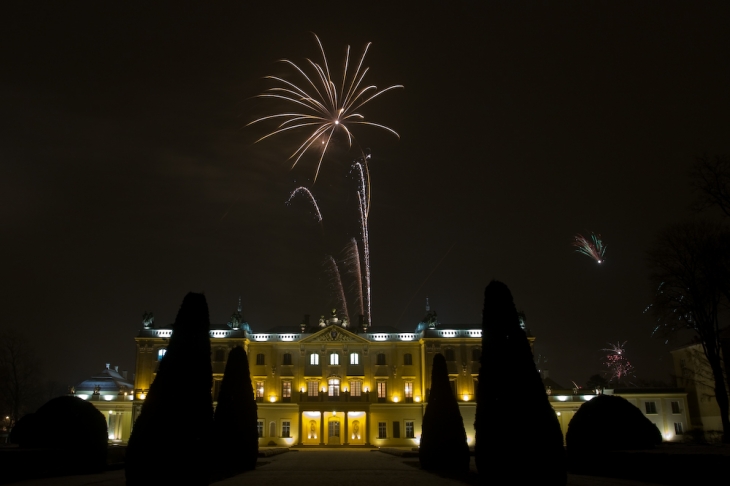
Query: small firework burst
{"type": "Point", "coordinates": [618, 366]}
{"type": "Point", "coordinates": [593, 247]}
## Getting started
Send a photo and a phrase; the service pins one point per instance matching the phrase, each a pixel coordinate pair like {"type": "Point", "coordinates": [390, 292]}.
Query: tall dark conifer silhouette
{"type": "Point", "coordinates": [514, 418]}
{"type": "Point", "coordinates": [170, 441]}
{"type": "Point", "coordinates": [443, 439]}
{"type": "Point", "coordinates": [236, 440]}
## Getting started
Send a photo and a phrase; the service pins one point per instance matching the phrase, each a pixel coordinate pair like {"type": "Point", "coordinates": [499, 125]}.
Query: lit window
{"type": "Point", "coordinates": [287, 358]}
{"type": "Point", "coordinates": [314, 359]}
{"type": "Point", "coordinates": [334, 359]}
{"type": "Point", "coordinates": [381, 359]}
{"type": "Point", "coordinates": [286, 428]}
{"type": "Point", "coordinates": [160, 353]}
{"type": "Point", "coordinates": [286, 391]}
{"type": "Point", "coordinates": [382, 429]}
{"type": "Point", "coordinates": [675, 407]}
{"type": "Point", "coordinates": [410, 431]}
{"type": "Point", "coordinates": [260, 359]}
{"type": "Point", "coordinates": [678, 428]}
{"type": "Point", "coordinates": [650, 408]}
{"type": "Point", "coordinates": [313, 388]}
{"type": "Point", "coordinates": [333, 387]}
{"type": "Point", "coordinates": [260, 427]}
{"type": "Point", "coordinates": [408, 359]}
{"type": "Point", "coordinates": [355, 388]}
{"type": "Point", "coordinates": [354, 358]}
{"type": "Point", "coordinates": [382, 391]}
{"type": "Point", "coordinates": [259, 391]}
{"type": "Point", "coordinates": [408, 391]}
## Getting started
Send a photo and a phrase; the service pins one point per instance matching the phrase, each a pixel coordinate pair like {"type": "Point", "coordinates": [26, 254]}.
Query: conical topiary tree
{"type": "Point", "coordinates": [514, 417]}
{"type": "Point", "coordinates": [171, 438]}
{"type": "Point", "coordinates": [443, 439]}
{"type": "Point", "coordinates": [235, 436]}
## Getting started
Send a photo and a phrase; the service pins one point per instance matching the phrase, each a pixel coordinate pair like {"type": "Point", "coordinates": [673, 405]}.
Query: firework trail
{"type": "Point", "coordinates": [352, 261]}
{"type": "Point", "coordinates": [320, 105]}
{"type": "Point", "coordinates": [363, 195]}
{"type": "Point", "coordinates": [594, 248]}
{"type": "Point", "coordinates": [618, 366]}
{"type": "Point", "coordinates": [336, 283]}
{"type": "Point", "coordinates": [307, 192]}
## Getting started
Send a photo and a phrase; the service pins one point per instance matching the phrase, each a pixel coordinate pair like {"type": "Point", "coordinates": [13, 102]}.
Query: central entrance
{"type": "Point", "coordinates": [334, 431]}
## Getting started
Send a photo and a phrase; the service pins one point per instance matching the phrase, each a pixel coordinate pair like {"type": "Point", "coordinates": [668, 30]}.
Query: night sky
{"type": "Point", "coordinates": [128, 176]}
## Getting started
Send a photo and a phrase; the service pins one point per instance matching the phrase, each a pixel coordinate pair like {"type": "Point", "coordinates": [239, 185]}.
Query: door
{"type": "Point", "coordinates": [334, 432]}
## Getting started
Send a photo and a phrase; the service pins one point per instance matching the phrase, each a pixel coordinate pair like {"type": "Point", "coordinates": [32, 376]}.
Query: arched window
{"type": "Point", "coordinates": [334, 358]}
{"type": "Point", "coordinates": [408, 359]}
{"type": "Point", "coordinates": [476, 354]}
{"type": "Point", "coordinates": [381, 359]}
{"type": "Point", "coordinates": [354, 358]}
{"type": "Point", "coordinates": [220, 355]}
{"type": "Point", "coordinates": [160, 353]}
{"type": "Point", "coordinates": [287, 358]}
{"type": "Point", "coordinates": [260, 359]}
{"type": "Point", "coordinates": [333, 387]}
{"type": "Point", "coordinates": [449, 355]}
{"type": "Point", "coordinates": [314, 359]}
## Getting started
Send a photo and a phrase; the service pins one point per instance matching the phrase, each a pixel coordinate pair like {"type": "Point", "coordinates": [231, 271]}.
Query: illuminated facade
{"type": "Point", "coordinates": [335, 385]}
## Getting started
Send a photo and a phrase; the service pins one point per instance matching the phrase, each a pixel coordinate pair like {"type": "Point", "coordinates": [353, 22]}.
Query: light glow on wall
{"type": "Point", "coordinates": [108, 398]}
{"type": "Point", "coordinates": [465, 397]}
{"type": "Point", "coordinates": [417, 399]}
{"type": "Point", "coordinates": [83, 397]}
{"type": "Point", "coordinates": [562, 398]}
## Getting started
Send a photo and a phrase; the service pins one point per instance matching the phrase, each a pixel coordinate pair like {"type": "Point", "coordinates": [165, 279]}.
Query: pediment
{"type": "Point", "coordinates": [334, 334]}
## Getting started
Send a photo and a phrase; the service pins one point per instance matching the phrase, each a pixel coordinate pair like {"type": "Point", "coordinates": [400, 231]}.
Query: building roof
{"type": "Point", "coordinates": [108, 380]}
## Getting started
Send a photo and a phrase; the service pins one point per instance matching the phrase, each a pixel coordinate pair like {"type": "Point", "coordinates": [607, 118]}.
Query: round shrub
{"type": "Point", "coordinates": [610, 422]}
{"type": "Point", "coordinates": [69, 424]}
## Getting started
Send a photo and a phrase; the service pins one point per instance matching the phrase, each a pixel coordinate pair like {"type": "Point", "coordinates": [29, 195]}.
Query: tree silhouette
{"type": "Point", "coordinates": [235, 435]}
{"type": "Point", "coordinates": [514, 417]}
{"type": "Point", "coordinates": [443, 439]}
{"type": "Point", "coordinates": [690, 268]}
{"type": "Point", "coordinates": [171, 438]}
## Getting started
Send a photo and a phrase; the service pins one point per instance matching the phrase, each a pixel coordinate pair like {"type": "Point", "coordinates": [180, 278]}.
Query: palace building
{"type": "Point", "coordinates": [332, 384]}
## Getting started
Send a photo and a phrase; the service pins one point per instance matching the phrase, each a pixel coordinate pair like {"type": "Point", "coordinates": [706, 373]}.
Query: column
{"type": "Point", "coordinates": [321, 427]}
{"type": "Point", "coordinates": [347, 434]}
{"type": "Point", "coordinates": [301, 414]}
{"type": "Point", "coordinates": [367, 427]}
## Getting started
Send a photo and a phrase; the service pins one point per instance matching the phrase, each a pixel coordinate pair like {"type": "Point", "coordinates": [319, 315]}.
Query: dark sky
{"type": "Point", "coordinates": [128, 176]}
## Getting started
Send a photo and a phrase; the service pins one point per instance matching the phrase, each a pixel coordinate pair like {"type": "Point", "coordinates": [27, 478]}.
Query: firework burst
{"type": "Point", "coordinates": [618, 366]}
{"type": "Point", "coordinates": [320, 105]}
{"type": "Point", "coordinates": [593, 248]}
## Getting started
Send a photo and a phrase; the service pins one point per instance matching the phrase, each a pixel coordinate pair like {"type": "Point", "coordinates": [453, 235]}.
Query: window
{"type": "Point", "coordinates": [381, 359]}
{"type": "Point", "coordinates": [286, 428]}
{"type": "Point", "coordinates": [220, 355]}
{"type": "Point", "coordinates": [408, 391]}
{"type": "Point", "coordinates": [650, 407]}
{"type": "Point", "coordinates": [260, 359]}
{"type": "Point", "coordinates": [286, 391]}
{"type": "Point", "coordinates": [260, 427]}
{"type": "Point", "coordinates": [476, 387]}
{"type": "Point", "coordinates": [382, 429]}
{"type": "Point", "coordinates": [259, 391]}
{"type": "Point", "coordinates": [354, 358]}
{"type": "Point", "coordinates": [396, 430]}
{"type": "Point", "coordinates": [408, 359]}
{"type": "Point", "coordinates": [333, 387]}
{"type": "Point", "coordinates": [410, 431]}
{"type": "Point", "coordinates": [314, 359]}
{"type": "Point", "coordinates": [334, 359]}
{"type": "Point", "coordinates": [287, 359]}
{"type": "Point", "coordinates": [452, 383]}
{"type": "Point", "coordinates": [476, 354]}
{"type": "Point", "coordinates": [382, 391]}
{"type": "Point", "coordinates": [160, 353]}
{"type": "Point", "coordinates": [675, 407]}
{"type": "Point", "coordinates": [355, 388]}
{"type": "Point", "coordinates": [678, 428]}
{"type": "Point", "coordinates": [313, 388]}
{"type": "Point", "coordinates": [449, 355]}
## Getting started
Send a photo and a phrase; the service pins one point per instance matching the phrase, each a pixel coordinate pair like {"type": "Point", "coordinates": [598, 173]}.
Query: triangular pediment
{"type": "Point", "coordinates": [334, 334]}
